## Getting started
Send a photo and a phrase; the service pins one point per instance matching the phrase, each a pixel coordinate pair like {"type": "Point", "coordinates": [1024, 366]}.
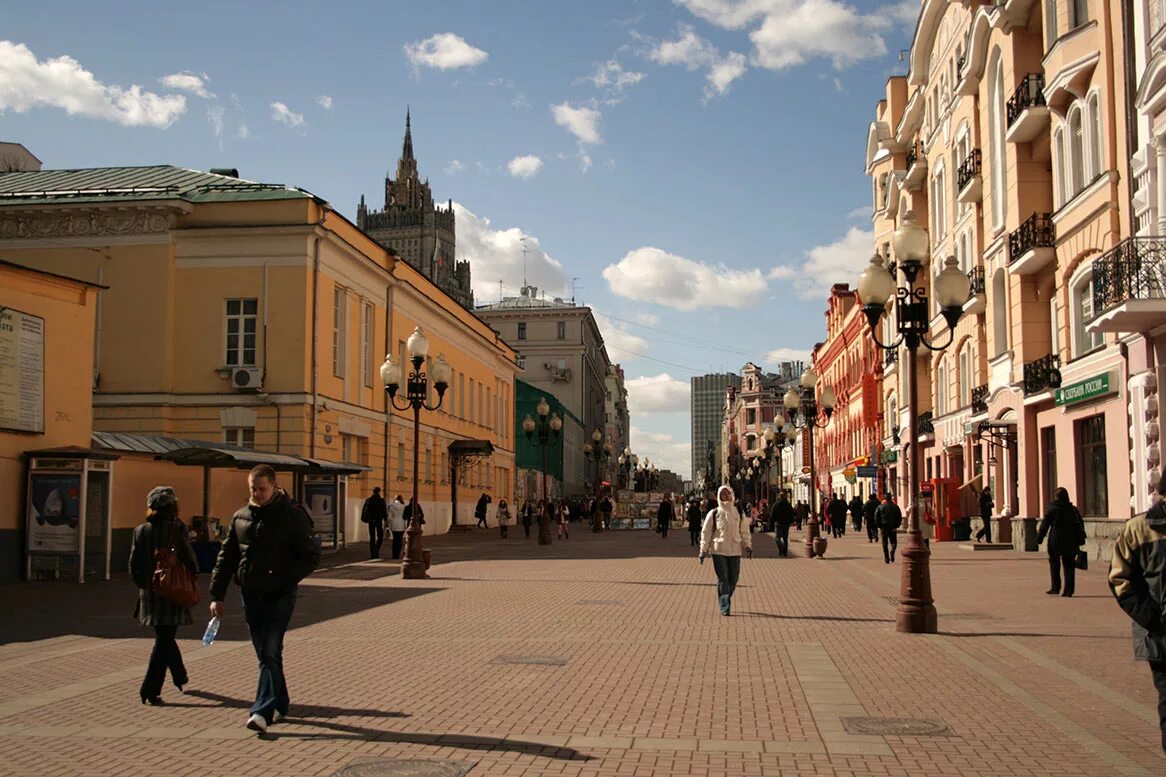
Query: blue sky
{"type": "Point", "coordinates": [696, 164]}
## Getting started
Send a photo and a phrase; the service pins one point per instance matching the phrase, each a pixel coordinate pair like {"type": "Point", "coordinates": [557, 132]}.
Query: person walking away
{"type": "Point", "coordinates": [527, 518]}
{"type": "Point", "coordinates": [889, 518]}
{"type": "Point", "coordinates": [837, 512]}
{"type": "Point", "coordinates": [986, 505]}
{"type": "Point", "coordinates": [664, 516]}
{"type": "Point", "coordinates": [162, 529]}
{"type": "Point", "coordinates": [408, 514]}
{"type": "Point", "coordinates": [693, 515]}
{"type": "Point", "coordinates": [269, 549]}
{"type": "Point", "coordinates": [725, 536]}
{"type": "Point", "coordinates": [856, 513]}
{"type": "Point", "coordinates": [480, 511]}
{"type": "Point", "coordinates": [503, 517]}
{"type": "Point", "coordinates": [397, 525]}
{"type": "Point", "coordinates": [868, 513]}
{"type": "Point", "coordinates": [1137, 578]}
{"type": "Point", "coordinates": [801, 513]}
{"type": "Point", "coordinates": [606, 508]}
{"type": "Point", "coordinates": [564, 520]}
{"type": "Point", "coordinates": [374, 513]}
{"type": "Point", "coordinates": [1066, 532]}
{"type": "Point", "coordinates": [781, 517]}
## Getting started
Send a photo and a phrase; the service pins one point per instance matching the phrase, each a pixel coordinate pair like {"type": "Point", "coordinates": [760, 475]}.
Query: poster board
{"type": "Point", "coordinates": [54, 512]}
{"type": "Point", "coordinates": [22, 371]}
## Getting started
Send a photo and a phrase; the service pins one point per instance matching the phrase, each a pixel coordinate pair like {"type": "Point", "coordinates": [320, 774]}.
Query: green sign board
{"type": "Point", "coordinates": [1091, 388]}
{"type": "Point", "coordinates": [889, 456]}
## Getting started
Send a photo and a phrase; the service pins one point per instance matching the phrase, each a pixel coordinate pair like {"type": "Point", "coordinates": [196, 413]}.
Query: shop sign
{"type": "Point", "coordinates": [805, 470]}
{"type": "Point", "coordinates": [849, 474]}
{"type": "Point", "coordinates": [868, 472]}
{"type": "Point", "coordinates": [1091, 388]}
{"type": "Point", "coordinates": [889, 456]}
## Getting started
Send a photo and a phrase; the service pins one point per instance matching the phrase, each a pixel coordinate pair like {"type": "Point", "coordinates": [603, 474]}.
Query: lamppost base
{"type": "Point", "coordinates": [916, 611]}
{"type": "Point", "coordinates": [413, 570]}
{"type": "Point", "coordinates": [413, 563]}
{"type": "Point", "coordinates": [815, 542]}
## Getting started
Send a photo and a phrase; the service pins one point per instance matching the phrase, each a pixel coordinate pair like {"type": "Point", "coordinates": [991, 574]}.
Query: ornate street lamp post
{"type": "Point", "coordinates": [803, 400]}
{"type": "Point", "coordinates": [546, 432]}
{"type": "Point", "coordinates": [599, 454]}
{"type": "Point", "coordinates": [416, 392]}
{"type": "Point", "coordinates": [876, 287]}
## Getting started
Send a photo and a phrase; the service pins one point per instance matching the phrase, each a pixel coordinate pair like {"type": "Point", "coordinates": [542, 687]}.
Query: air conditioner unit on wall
{"type": "Point", "coordinates": [247, 378]}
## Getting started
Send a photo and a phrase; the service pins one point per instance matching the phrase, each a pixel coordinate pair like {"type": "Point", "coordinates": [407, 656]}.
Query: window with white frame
{"type": "Point", "coordinates": [1080, 13]}
{"type": "Point", "coordinates": [1076, 151]}
{"type": "Point", "coordinates": [1081, 310]}
{"type": "Point", "coordinates": [241, 324]}
{"type": "Point", "coordinates": [1054, 329]}
{"type": "Point", "coordinates": [521, 361]}
{"type": "Point", "coordinates": [243, 436]}
{"type": "Point", "coordinates": [892, 416]}
{"type": "Point", "coordinates": [997, 129]}
{"type": "Point", "coordinates": [400, 461]}
{"type": "Point", "coordinates": [339, 329]}
{"type": "Point", "coordinates": [941, 389]}
{"type": "Point", "coordinates": [367, 340]}
{"type": "Point", "coordinates": [1050, 23]}
{"type": "Point", "coordinates": [965, 395]}
{"type": "Point", "coordinates": [1062, 171]}
{"type": "Point", "coordinates": [1096, 164]}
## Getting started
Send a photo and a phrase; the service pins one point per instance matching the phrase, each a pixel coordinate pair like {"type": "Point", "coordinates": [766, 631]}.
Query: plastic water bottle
{"type": "Point", "coordinates": [212, 630]}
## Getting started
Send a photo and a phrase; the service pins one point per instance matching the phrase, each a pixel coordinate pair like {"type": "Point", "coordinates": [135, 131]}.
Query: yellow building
{"type": "Point", "coordinates": [254, 314]}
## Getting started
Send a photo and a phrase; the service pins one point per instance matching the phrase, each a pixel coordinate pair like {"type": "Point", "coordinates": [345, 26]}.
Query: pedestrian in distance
{"type": "Point", "coordinates": [801, 513]}
{"type": "Point", "coordinates": [564, 520]}
{"type": "Point", "coordinates": [725, 537]}
{"type": "Point", "coordinates": [503, 517]}
{"type": "Point", "coordinates": [480, 511]}
{"type": "Point", "coordinates": [856, 512]}
{"type": "Point", "coordinates": [1137, 578]}
{"type": "Point", "coordinates": [269, 549]}
{"type": "Point", "coordinates": [868, 513]}
{"type": "Point", "coordinates": [1064, 527]}
{"type": "Point", "coordinates": [889, 518]}
{"type": "Point", "coordinates": [161, 530]}
{"type": "Point", "coordinates": [397, 525]}
{"type": "Point", "coordinates": [374, 513]}
{"type": "Point", "coordinates": [986, 505]}
{"type": "Point", "coordinates": [694, 516]}
{"type": "Point", "coordinates": [408, 514]}
{"type": "Point", "coordinates": [781, 517]}
{"type": "Point", "coordinates": [527, 517]}
{"type": "Point", "coordinates": [836, 509]}
{"type": "Point", "coordinates": [606, 508]}
{"type": "Point", "coordinates": [664, 516]}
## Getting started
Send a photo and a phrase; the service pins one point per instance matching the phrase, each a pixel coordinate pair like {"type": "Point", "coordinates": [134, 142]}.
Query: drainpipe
{"type": "Point", "coordinates": [1130, 113]}
{"type": "Point", "coordinates": [315, 307]}
{"type": "Point", "coordinates": [388, 408]}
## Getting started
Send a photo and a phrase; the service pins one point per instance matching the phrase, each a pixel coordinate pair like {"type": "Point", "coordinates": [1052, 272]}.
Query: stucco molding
{"type": "Point", "coordinates": [85, 224]}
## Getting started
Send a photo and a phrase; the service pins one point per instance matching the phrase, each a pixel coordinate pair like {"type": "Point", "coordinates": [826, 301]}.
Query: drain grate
{"type": "Point", "coordinates": [898, 727]}
{"type": "Point", "coordinates": [396, 767]}
{"type": "Point", "coordinates": [601, 602]}
{"type": "Point", "coordinates": [532, 660]}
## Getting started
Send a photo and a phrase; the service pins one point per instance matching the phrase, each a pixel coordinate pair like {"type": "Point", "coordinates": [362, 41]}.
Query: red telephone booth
{"type": "Point", "coordinates": [945, 505]}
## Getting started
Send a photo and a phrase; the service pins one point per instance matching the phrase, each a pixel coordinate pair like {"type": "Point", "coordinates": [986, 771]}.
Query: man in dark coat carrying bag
{"type": "Point", "coordinates": [1066, 532]}
{"type": "Point", "coordinates": [374, 513]}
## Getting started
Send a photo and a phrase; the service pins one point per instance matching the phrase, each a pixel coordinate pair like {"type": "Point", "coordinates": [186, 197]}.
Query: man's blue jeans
{"type": "Point", "coordinates": [781, 534]}
{"type": "Point", "coordinates": [268, 616]}
{"type": "Point", "coordinates": [728, 569]}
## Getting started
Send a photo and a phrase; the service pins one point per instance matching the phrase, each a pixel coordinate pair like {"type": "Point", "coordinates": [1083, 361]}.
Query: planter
{"type": "Point", "coordinates": [820, 546]}
{"type": "Point", "coordinates": [427, 556]}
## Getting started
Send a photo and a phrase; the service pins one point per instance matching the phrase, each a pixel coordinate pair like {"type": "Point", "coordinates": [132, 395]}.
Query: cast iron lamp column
{"type": "Point", "coordinates": [546, 431]}
{"type": "Point", "coordinates": [804, 400]}
{"type": "Point", "coordinates": [416, 392]}
{"type": "Point", "coordinates": [876, 287]}
{"type": "Point", "coordinates": [599, 454]}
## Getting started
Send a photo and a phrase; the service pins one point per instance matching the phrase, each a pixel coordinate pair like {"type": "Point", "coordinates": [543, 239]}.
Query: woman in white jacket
{"type": "Point", "coordinates": [725, 536]}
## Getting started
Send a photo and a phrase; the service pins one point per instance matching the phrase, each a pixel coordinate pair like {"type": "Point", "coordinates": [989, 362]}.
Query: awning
{"type": "Point", "coordinates": [200, 453]}
{"type": "Point", "coordinates": [73, 452]}
{"type": "Point", "coordinates": [337, 467]}
{"type": "Point", "coordinates": [471, 448]}
{"type": "Point", "coordinates": [239, 458]}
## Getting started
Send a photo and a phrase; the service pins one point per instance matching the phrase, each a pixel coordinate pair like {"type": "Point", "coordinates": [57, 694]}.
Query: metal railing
{"type": "Point", "coordinates": [890, 356]}
{"type": "Point", "coordinates": [1037, 231]}
{"type": "Point", "coordinates": [976, 281]}
{"type": "Point", "coordinates": [980, 399]}
{"type": "Point", "coordinates": [1029, 93]}
{"type": "Point", "coordinates": [1133, 269]}
{"type": "Point", "coordinates": [913, 155]}
{"type": "Point", "coordinates": [926, 423]}
{"type": "Point", "coordinates": [1044, 373]}
{"type": "Point", "coordinates": [968, 170]}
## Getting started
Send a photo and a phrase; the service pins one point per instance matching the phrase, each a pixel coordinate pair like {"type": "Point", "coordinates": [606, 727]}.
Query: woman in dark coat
{"type": "Point", "coordinates": [1066, 532]}
{"type": "Point", "coordinates": [163, 615]}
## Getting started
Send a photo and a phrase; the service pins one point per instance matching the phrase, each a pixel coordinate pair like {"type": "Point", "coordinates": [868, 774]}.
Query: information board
{"type": "Point", "coordinates": [22, 371]}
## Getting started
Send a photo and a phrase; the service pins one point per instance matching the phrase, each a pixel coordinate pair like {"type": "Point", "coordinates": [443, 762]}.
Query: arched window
{"type": "Point", "coordinates": [1081, 313]}
{"type": "Point", "coordinates": [965, 377]}
{"type": "Point", "coordinates": [996, 135]}
{"type": "Point", "coordinates": [1096, 164]}
{"type": "Point", "coordinates": [1062, 171]}
{"type": "Point", "coordinates": [941, 390]}
{"type": "Point", "coordinates": [999, 312]}
{"type": "Point", "coordinates": [1076, 152]}
{"type": "Point", "coordinates": [1050, 23]}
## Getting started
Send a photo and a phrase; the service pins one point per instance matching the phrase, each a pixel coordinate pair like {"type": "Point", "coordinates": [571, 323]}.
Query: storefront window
{"type": "Point", "coordinates": [1048, 445]}
{"type": "Point", "coordinates": [1094, 497]}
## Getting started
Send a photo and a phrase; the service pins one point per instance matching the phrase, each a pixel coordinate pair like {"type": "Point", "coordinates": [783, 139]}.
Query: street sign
{"type": "Point", "coordinates": [868, 472]}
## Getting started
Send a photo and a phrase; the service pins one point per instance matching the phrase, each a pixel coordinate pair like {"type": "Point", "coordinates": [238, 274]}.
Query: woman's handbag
{"type": "Point", "coordinates": [1082, 560]}
{"type": "Point", "coordinates": [172, 579]}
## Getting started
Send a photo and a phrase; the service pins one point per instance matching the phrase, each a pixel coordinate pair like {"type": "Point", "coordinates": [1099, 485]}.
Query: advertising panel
{"type": "Point", "coordinates": [54, 512]}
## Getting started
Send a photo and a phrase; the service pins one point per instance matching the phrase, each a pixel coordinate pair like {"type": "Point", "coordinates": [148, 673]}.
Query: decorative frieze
{"type": "Point", "coordinates": [95, 223]}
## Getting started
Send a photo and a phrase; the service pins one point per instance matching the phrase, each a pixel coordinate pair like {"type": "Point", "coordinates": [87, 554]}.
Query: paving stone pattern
{"type": "Point", "coordinates": [601, 655]}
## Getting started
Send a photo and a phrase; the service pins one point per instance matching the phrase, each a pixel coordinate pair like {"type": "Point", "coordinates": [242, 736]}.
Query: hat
{"type": "Point", "coordinates": [161, 497]}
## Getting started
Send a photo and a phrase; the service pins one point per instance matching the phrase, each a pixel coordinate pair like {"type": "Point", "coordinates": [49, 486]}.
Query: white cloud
{"type": "Point", "coordinates": [658, 394]}
{"type": "Point", "coordinates": [622, 345]}
{"type": "Point", "coordinates": [27, 83]}
{"type": "Point", "coordinates": [214, 115]}
{"type": "Point", "coordinates": [725, 71]}
{"type": "Point", "coordinates": [778, 355]}
{"type": "Point", "coordinates": [524, 166]}
{"type": "Point", "coordinates": [862, 211]}
{"type": "Point", "coordinates": [645, 318]}
{"type": "Point", "coordinates": [582, 122]}
{"type": "Point", "coordinates": [611, 75]}
{"type": "Point", "coordinates": [454, 166]}
{"type": "Point", "coordinates": [781, 272]}
{"type": "Point", "coordinates": [444, 51]}
{"type": "Point", "coordinates": [496, 255]}
{"type": "Point", "coordinates": [243, 132]}
{"type": "Point", "coordinates": [696, 53]}
{"type": "Point", "coordinates": [325, 102]}
{"type": "Point", "coordinates": [187, 82]}
{"type": "Point", "coordinates": [839, 262]}
{"type": "Point", "coordinates": [286, 116]}
{"type": "Point", "coordinates": [665, 451]}
{"type": "Point", "coordinates": [652, 275]}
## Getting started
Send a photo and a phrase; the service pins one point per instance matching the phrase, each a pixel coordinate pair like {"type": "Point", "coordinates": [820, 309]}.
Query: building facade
{"type": "Point", "coordinates": [707, 402]}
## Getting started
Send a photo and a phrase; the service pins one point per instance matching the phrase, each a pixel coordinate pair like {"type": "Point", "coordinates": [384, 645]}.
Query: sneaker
{"type": "Point", "coordinates": [257, 723]}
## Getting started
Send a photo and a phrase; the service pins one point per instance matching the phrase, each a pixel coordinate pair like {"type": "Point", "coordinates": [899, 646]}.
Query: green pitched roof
{"type": "Point", "coordinates": [135, 184]}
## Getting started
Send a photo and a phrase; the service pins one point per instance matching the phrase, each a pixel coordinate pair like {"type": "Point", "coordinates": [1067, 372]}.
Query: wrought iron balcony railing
{"type": "Point", "coordinates": [1133, 269]}
{"type": "Point", "coordinates": [980, 399]}
{"type": "Point", "coordinates": [1037, 231]}
{"type": "Point", "coordinates": [976, 281]}
{"type": "Point", "coordinates": [968, 170]}
{"type": "Point", "coordinates": [913, 155]}
{"type": "Point", "coordinates": [1029, 93]}
{"type": "Point", "coordinates": [1042, 374]}
{"type": "Point", "coordinates": [890, 356]}
{"type": "Point", "coordinates": [926, 423]}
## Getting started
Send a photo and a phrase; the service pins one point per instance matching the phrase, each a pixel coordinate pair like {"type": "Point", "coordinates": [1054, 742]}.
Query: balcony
{"type": "Point", "coordinates": [969, 182]}
{"type": "Point", "coordinates": [1028, 114]}
{"type": "Point", "coordinates": [926, 423]}
{"type": "Point", "coordinates": [916, 168]}
{"type": "Point", "coordinates": [890, 357]}
{"type": "Point", "coordinates": [977, 301]}
{"type": "Point", "coordinates": [1042, 374]}
{"type": "Point", "coordinates": [980, 400]}
{"type": "Point", "coordinates": [1129, 286]}
{"type": "Point", "coordinates": [1032, 245]}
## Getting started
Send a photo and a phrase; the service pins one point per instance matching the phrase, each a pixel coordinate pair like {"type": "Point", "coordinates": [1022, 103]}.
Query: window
{"type": "Point", "coordinates": [471, 416]}
{"type": "Point", "coordinates": [561, 330]}
{"type": "Point", "coordinates": [400, 461]}
{"type": "Point", "coordinates": [521, 362]}
{"type": "Point", "coordinates": [428, 465]}
{"type": "Point", "coordinates": [941, 389]}
{"type": "Point", "coordinates": [367, 340]}
{"type": "Point", "coordinates": [965, 398]}
{"type": "Point", "coordinates": [997, 128]}
{"type": "Point", "coordinates": [481, 417]}
{"type": "Point", "coordinates": [1094, 483]}
{"type": "Point", "coordinates": [1048, 449]}
{"type": "Point", "coordinates": [521, 330]}
{"type": "Point", "coordinates": [892, 417]}
{"type": "Point", "coordinates": [1096, 165]}
{"type": "Point", "coordinates": [353, 449]}
{"type": "Point", "coordinates": [999, 312]}
{"type": "Point", "coordinates": [1062, 171]}
{"type": "Point", "coordinates": [243, 436]}
{"type": "Point", "coordinates": [444, 467]}
{"type": "Point", "coordinates": [242, 319]}
{"type": "Point", "coordinates": [1076, 152]}
{"type": "Point", "coordinates": [1080, 16]}
{"type": "Point", "coordinates": [1084, 341]}
{"type": "Point", "coordinates": [1050, 23]}
{"type": "Point", "coordinates": [461, 395]}
{"type": "Point", "coordinates": [1054, 329]}
{"type": "Point", "coordinates": [488, 420]}
{"type": "Point", "coordinates": [339, 325]}
{"type": "Point", "coordinates": [750, 416]}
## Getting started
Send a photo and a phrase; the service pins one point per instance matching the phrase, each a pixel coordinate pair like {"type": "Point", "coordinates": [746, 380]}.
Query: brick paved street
{"type": "Point", "coordinates": [636, 672]}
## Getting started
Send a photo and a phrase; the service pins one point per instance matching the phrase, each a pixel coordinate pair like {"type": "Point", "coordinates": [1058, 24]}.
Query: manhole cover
{"type": "Point", "coordinates": [601, 602]}
{"type": "Point", "coordinates": [899, 727]}
{"type": "Point", "coordinates": [393, 767]}
{"type": "Point", "coordinates": [536, 660]}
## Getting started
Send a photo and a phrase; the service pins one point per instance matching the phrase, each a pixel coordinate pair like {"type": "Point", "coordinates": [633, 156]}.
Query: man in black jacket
{"type": "Point", "coordinates": [868, 514]}
{"type": "Point", "coordinates": [781, 517]}
{"type": "Point", "coordinates": [374, 513]}
{"type": "Point", "coordinates": [695, 520]}
{"type": "Point", "coordinates": [836, 509]}
{"type": "Point", "coordinates": [664, 516]}
{"type": "Point", "coordinates": [889, 518]}
{"type": "Point", "coordinates": [986, 505]}
{"type": "Point", "coordinates": [856, 512]}
{"type": "Point", "coordinates": [1066, 532]}
{"type": "Point", "coordinates": [269, 549]}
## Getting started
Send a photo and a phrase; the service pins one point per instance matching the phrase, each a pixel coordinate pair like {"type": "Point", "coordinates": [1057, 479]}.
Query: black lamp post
{"type": "Point", "coordinates": [599, 454]}
{"type": "Point", "coordinates": [543, 433]}
{"type": "Point", "coordinates": [416, 392]}
{"type": "Point", "coordinates": [804, 401]}
{"type": "Point", "coordinates": [876, 287]}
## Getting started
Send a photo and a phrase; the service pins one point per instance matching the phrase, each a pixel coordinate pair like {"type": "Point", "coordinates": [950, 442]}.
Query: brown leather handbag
{"type": "Point", "coordinates": [172, 579]}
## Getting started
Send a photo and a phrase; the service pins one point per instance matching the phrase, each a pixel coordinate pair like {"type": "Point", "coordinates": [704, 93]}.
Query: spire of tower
{"type": "Point", "coordinates": [407, 150]}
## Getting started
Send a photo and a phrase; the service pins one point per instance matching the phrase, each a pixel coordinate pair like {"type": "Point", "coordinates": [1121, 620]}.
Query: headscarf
{"type": "Point", "coordinates": [725, 506]}
{"type": "Point", "coordinates": [160, 498]}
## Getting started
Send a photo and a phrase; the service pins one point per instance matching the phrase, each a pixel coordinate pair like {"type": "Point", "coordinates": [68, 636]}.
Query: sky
{"type": "Point", "coordinates": [692, 170]}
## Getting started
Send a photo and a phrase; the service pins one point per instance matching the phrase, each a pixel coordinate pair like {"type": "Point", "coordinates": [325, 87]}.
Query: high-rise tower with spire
{"type": "Point", "coordinates": [413, 227]}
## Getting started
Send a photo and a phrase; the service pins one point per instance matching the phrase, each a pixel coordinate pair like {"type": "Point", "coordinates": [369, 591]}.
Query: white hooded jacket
{"type": "Point", "coordinates": [725, 532]}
